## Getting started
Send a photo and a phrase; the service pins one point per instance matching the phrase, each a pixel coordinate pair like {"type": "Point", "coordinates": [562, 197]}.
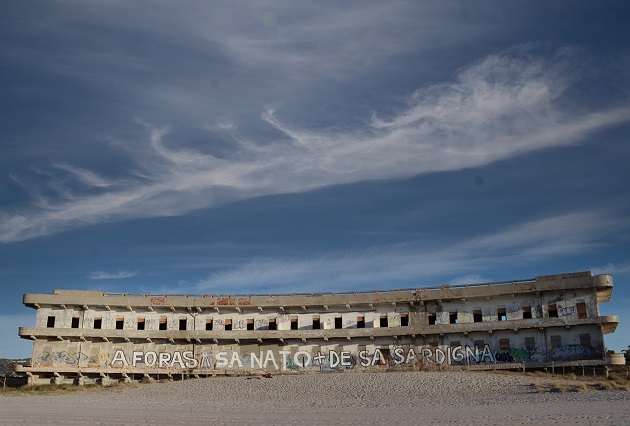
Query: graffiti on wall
{"type": "Point", "coordinates": [575, 352]}
{"type": "Point", "coordinates": [60, 357]}
{"type": "Point", "coordinates": [282, 318]}
{"type": "Point", "coordinates": [323, 360]}
{"type": "Point", "coordinates": [261, 324]}
{"type": "Point", "coordinates": [565, 311]}
{"type": "Point", "coordinates": [326, 361]}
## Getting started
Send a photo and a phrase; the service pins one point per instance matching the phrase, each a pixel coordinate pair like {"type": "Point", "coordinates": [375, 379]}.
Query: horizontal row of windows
{"type": "Point", "coordinates": [271, 323]}
{"type": "Point", "coordinates": [383, 321]}
{"type": "Point", "coordinates": [529, 343]}
{"type": "Point", "coordinates": [501, 315]}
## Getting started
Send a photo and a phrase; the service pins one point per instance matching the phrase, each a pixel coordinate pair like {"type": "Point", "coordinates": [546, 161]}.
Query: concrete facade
{"type": "Point", "coordinates": [89, 336]}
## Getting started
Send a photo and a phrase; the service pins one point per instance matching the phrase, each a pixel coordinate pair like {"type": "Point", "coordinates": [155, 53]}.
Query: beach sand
{"type": "Point", "coordinates": [323, 399]}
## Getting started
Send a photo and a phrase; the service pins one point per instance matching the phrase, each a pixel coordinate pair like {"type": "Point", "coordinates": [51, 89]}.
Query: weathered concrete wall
{"type": "Point", "coordinates": [90, 334]}
{"type": "Point", "coordinates": [526, 346]}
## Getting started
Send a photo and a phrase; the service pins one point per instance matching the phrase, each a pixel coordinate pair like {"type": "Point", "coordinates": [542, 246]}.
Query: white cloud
{"type": "Point", "coordinates": [612, 269]}
{"type": "Point", "coordinates": [405, 265]}
{"type": "Point", "coordinates": [101, 275]}
{"type": "Point", "coordinates": [500, 107]}
{"type": "Point", "coordinates": [469, 279]}
{"type": "Point", "coordinates": [86, 176]}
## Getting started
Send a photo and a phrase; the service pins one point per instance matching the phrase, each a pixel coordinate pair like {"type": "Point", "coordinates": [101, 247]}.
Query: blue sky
{"type": "Point", "coordinates": [281, 146]}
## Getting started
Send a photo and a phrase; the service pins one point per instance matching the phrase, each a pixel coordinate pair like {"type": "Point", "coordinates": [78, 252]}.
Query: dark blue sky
{"type": "Point", "coordinates": [222, 147]}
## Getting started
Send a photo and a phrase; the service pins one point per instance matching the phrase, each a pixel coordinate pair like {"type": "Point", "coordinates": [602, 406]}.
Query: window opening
{"type": "Point", "coordinates": [272, 324]}
{"type": "Point", "coordinates": [338, 322]}
{"type": "Point", "coordinates": [75, 322]}
{"type": "Point", "coordinates": [504, 344]}
{"type": "Point", "coordinates": [316, 323]}
{"type": "Point", "coordinates": [477, 316]}
{"type": "Point", "coordinates": [432, 318]}
{"type": "Point", "coordinates": [162, 323]}
{"type": "Point", "coordinates": [383, 321]}
{"type": "Point", "coordinates": [140, 325]}
{"type": "Point", "coordinates": [553, 310]}
{"type": "Point", "coordinates": [530, 343]}
{"type": "Point", "coordinates": [501, 314]}
{"type": "Point", "coordinates": [527, 312]}
{"type": "Point", "coordinates": [209, 324]}
{"type": "Point", "coordinates": [556, 341]}
{"type": "Point", "coordinates": [479, 344]}
{"type": "Point", "coordinates": [455, 343]}
{"type": "Point", "coordinates": [294, 323]}
{"type": "Point", "coordinates": [98, 323]}
{"type": "Point", "coordinates": [360, 322]}
{"type": "Point", "coordinates": [452, 317]}
{"type": "Point", "coordinates": [51, 322]}
{"type": "Point", "coordinates": [250, 324]}
{"type": "Point", "coordinates": [581, 310]}
{"type": "Point", "coordinates": [585, 339]}
{"type": "Point", "coordinates": [120, 323]}
{"type": "Point", "coordinates": [228, 324]}
{"type": "Point", "coordinates": [404, 320]}
{"type": "Point", "coordinates": [182, 323]}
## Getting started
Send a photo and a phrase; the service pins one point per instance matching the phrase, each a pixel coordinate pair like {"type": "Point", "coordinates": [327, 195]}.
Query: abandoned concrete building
{"type": "Point", "coordinates": [90, 336]}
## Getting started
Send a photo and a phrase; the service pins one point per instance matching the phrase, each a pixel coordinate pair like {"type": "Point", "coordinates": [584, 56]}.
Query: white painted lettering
{"type": "Point", "coordinates": [222, 361]}
{"type": "Point", "coordinates": [235, 359]}
{"type": "Point", "coordinates": [256, 360]}
{"type": "Point", "coordinates": [302, 358]}
{"type": "Point", "coordinates": [165, 358]}
{"type": "Point", "coordinates": [376, 358]}
{"type": "Point", "coordinates": [189, 357]}
{"type": "Point", "coordinates": [177, 358]}
{"type": "Point", "coordinates": [470, 354]}
{"type": "Point", "coordinates": [137, 357]}
{"type": "Point", "coordinates": [333, 359]}
{"type": "Point", "coordinates": [345, 359]}
{"type": "Point", "coordinates": [457, 355]}
{"type": "Point", "coordinates": [487, 352]}
{"type": "Point", "coordinates": [150, 359]}
{"type": "Point", "coordinates": [270, 358]}
{"type": "Point", "coordinates": [440, 356]}
{"type": "Point", "coordinates": [365, 361]}
{"type": "Point", "coordinates": [284, 354]}
{"type": "Point", "coordinates": [426, 353]}
{"type": "Point", "coordinates": [119, 356]}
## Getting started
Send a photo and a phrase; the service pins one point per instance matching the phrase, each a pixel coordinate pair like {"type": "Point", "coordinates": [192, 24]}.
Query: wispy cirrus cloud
{"type": "Point", "coordinates": [504, 105]}
{"type": "Point", "coordinates": [406, 264]}
{"type": "Point", "coordinates": [613, 268]}
{"type": "Point", "coordinates": [121, 274]}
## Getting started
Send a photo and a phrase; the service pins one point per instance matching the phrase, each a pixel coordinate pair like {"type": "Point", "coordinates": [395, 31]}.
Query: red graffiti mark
{"type": "Point", "coordinates": [233, 301]}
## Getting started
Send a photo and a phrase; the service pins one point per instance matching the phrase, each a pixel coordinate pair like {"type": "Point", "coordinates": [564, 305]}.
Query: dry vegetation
{"type": "Point", "coordinates": [616, 380]}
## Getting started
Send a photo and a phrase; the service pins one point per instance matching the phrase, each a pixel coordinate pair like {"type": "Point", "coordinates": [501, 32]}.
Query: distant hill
{"type": "Point", "coordinates": [7, 366]}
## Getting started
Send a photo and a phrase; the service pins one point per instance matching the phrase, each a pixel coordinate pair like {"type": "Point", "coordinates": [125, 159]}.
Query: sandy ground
{"type": "Point", "coordinates": [332, 399]}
